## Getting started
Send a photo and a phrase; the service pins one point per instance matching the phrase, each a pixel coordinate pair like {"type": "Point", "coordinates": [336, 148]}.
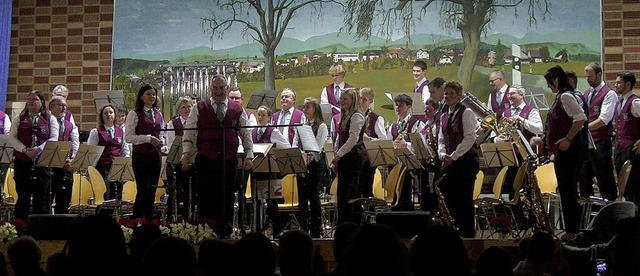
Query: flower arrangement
{"type": "Point", "coordinates": [501, 224]}
{"type": "Point", "coordinates": [8, 231]}
{"type": "Point", "coordinates": [192, 232]}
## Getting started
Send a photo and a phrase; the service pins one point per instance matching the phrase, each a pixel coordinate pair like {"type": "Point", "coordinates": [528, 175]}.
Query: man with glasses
{"type": "Point", "coordinates": [235, 94]}
{"type": "Point", "coordinates": [214, 119]}
{"type": "Point", "coordinates": [498, 100]}
{"type": "Point", "coordinates": [62, 178]}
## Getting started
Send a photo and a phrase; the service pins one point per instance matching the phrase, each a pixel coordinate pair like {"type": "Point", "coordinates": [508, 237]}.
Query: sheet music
{"type": "Point", "coordinates": [308, 140]}
{"type": "Point", "coordinates": [261, 149]}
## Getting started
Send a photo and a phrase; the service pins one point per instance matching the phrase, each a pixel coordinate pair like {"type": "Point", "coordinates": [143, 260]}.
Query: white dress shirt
{"type": "Point", "coordinates": [94, 140]}
{"type": "Point", "coordinates": [324, 99]}
{"type": "Point", "coordinates": [425, 90]}
{"type": "Point", "coordinates": [635, 105]}
{"type": "Point", "coordinates": [189, 137]}
{"type": "Point", "coordinates": [469, 124]}
{"type": "Point", "coordinates": [74, 138]}
{"type": "Point", "coordinates": [131, 123]}
{"type": "Point", "coordinates": [379, 129]}
{"type": "Point", "coordinates": [608, 107]}
{"type": "Point", "coordinates": [533, 123]}
{"type": "Point", "coordinates": [503, 91]}
{"type": "Point", "coordinates": [19, 146]}
{"type": "Point", "coordinates": [287, 121]}
{"type": "Point", "coordinates": [7, 124]}
{"type": "Point", "coordinates": [572, 107]}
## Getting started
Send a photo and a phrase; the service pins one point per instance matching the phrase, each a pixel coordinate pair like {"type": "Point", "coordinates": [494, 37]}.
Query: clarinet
{"type": "Point", "coordinates": [34, 143]}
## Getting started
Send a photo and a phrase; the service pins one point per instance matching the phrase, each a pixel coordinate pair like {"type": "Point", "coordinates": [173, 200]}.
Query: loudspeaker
{"type": "Point", "coordinates": [406, 224]}
{"type": "Point", "coordinates": [51, 227]}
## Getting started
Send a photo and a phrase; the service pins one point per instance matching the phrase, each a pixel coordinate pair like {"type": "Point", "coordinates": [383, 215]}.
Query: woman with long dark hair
{"type": "Point", "coordinates": [143, 127]}
{"type": "Point", "coordinates": [29, 132]}
{"type": "Point", "coordinates": [308, 183]}
{"type": "Point", "coordinates": [111, 137]}
{"type": "Point", "coordinates": [566, 138]}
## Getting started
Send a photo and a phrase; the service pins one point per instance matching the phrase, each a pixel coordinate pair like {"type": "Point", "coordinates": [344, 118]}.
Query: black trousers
{"type": "Point", "coordinates": [30, 182]}
{"type": "Point", "coordinates": [113, 189]}
{"type": "Point", "coordinates": [242, 177]}
{"type": "Point", "coordinates": [349, 168]}
{"type": "Point", "coordinates": [428, 198]}
{"type": "Point", "coordinates": [309, 210]}
{"type": "Point", "coordinates": [567, 165]}
{"type": "Point", "coordinates": [185, 183]}
{"type": "Point", "coordinates": [632, 190]}
{"type": "Point", "coordinates": [598, 163]}
{"type": "Point", "coordinates": [457, 190]}
{"type": "Point", "coordinates": [61, 184]}
{"type": "Point", "coordinates": [367, 175]}
{"type": "Point", "coordinates": [146, 168]}
{"type": "Point", "coordinates": [216, 178]}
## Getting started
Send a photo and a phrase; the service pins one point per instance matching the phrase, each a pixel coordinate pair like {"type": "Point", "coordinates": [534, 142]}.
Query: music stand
{"type": "Point", "coordinates": [381, 154]}
{"type": "Point", "coordinates": [54, 155]}
{"type": "Point", "coordinates": [6, 156]}
{"type": "Point", "coordinates": [263, 162]}
{"type": "Point", "coordinates": [290, 161]}
{"type": "Point", "coordinates": [264, 97]}
{"type": "Point", "coordinates": [497, 155]}
{"type": "Point", "coordinates": [113, 97]}
{"type": "Point", "coordinates": [86, 156]}
{"type": "Point", "coordinates": [417, 108]}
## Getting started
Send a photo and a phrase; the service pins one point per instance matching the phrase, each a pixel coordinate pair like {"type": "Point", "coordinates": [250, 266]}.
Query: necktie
{"type": "Point", "coordinates": [61, 123]}
{"type": "Point", "coordinates": [283, 119]}
{"type": "Point", "coordinates": [516, 112]}
{"type": "Point", "coordinates": [336, 92]}
{"type": "Point", "coordinates": [499, 96]}
{"type": "Point", "coordinates": [401, 126]}
{"type": "Point", "coordinates": [591, 95]}
{"type": "Point", "coordinates": [260, 132]}
{"type": "Point", "coordinates": [34, 120]}
{"type": "Point", "coordinates": [620, 105]}
{"type": "Point", "coordinates": [110, 130]}
{"type": "Point", "coordinates": [416, 89]}
{"type": "Point", "coordinates": [150, 114]}
{"type": "Point", "coordinates": [220, 111]}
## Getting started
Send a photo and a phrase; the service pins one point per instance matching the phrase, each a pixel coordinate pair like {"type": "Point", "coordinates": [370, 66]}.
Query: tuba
{"type": "Point", "coordinates": [489, 119]}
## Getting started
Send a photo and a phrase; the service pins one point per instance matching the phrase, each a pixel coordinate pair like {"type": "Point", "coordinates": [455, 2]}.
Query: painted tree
{"type": "Point", "coordinates": [265, 21]}
{"type": "Point", "coordinates": [471, 17]}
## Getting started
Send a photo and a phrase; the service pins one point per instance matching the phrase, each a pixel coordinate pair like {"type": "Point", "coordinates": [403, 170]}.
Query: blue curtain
{"type": "Point", "coordinates": [5, 42]}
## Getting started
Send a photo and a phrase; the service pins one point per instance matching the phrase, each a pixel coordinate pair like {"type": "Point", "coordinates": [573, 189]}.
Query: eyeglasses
{"type": "Point", "coordinates": [492, 80]}
{"type": "Point", "coordinates": [235, 98]}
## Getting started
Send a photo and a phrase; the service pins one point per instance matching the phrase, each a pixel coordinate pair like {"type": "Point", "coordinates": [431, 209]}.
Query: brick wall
{"type": "Point", "coordinates": [621, 37]}
{"type": "Point", "coordinates": [61, 42]}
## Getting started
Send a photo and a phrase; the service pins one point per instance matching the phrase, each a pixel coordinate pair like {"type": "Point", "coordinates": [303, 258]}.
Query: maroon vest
{"type": "Point", "coordinates": [210, 134]}
{"type": "Point", "coordinates": [331, 96]}
{"type": "Point", "coordinates": [25, 132]}
{"type": "Point", "coordinates": [595, 107]}
{"type": "Point", "coordinates": [453, 132]}
{"type": "Point", "coordinates": [422, 86]}
{"type": "Point", "coordinates": [66, 135]}
{"type": "Point", "coordinates": [67, 116]}
{"type": "Point", "coordinates": [371, 120]}
{"type": "Point", "coordinates": [344, 136]}
{"type": "Point", "coordinates": [147, 127]}
{"type": "Point", "coordinates": [112, 147]}
{"type": "Point", "coordinates": [2, 116]}
{"type": "Point", "coordinates": [627, 125]}
{"type": "Point", "coordinates": [524, 113]}
{"type": "Point", "coordinates": [177, 125]}
{"type": "Point", "coordinates": [296, 118]}
{"type": "Point", "coordinates": [394, 128]}
{"type": "Point", "coordinates": [499, 108]}
{"type": "Point", "coordinates": [266, 135]}
{"type": "Point", "coordinates": [559, 123]}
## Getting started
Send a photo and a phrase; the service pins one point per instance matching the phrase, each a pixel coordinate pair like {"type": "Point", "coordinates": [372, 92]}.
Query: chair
{"type": "Point", "coordinates": [289, 193]}
{"type": "Point", "coordinates": [129, 191]}
{"type": "Point", "coordinates": [548, 185]}
{"type": "Point", "coordinates": [392, 192]}
{"type": "Point", "coordinates": [9, 196]}
{"type": "Point", "coordinates": [82, 195]}
{"type": "Point", "coordinates": [587, 204]}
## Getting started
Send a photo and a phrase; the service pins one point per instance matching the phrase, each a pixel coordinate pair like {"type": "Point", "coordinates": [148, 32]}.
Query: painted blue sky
{"type": "Point", "coordinates": [160, 26]}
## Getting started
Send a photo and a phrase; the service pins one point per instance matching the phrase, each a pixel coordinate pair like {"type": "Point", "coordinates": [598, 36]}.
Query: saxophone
{"type": "Point", "coordinates": [432, 146]}
{"type": "Point", "coordinates": [442, 217]}
{"type": "Point", "coordinates": [533, 204]}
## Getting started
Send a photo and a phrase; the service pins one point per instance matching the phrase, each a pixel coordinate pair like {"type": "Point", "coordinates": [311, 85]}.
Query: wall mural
{"type": "Point", "coordinates": [177, 45]}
